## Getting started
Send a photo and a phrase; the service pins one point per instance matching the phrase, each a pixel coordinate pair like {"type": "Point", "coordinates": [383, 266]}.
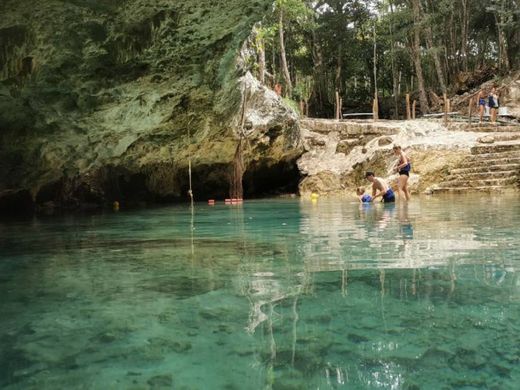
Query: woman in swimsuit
{"type": "Point", "coordinates": [493, 104]}
{"type": "Point", "coordinates": [481, 104]}
{"type": "Point", "coordinates": [403, 167]}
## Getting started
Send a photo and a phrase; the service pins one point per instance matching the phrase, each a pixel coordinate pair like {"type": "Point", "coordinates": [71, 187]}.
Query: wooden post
{"type": "Point", "coordinates": [445, 109]}
{"type": "Point", "coordinates": [340, 108]}
{"type": "Point", "coordinates": [375, 108]}
{"type": "Point", "coordinates": [408, 114]}
{"type": "Point", "coordinates": [413, 109]}
{"type": "Point", "coordinates": [449, 109]}
{"type": "Point", "coordinates": [337, 105]}
{"type": "Point", "coordinates": [470, 109]}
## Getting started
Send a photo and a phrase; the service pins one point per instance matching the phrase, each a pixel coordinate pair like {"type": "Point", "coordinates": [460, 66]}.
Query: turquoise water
{"type": "Point", "coordinates": [274, 294]}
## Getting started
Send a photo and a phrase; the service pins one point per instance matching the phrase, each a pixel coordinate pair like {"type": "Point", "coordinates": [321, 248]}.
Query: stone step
{"type": "Point", "coordinates": [483, 175]}
{"type": "Point", "coordinates": [506, 137]}
{"type": "Point", "coordinates": [476, 168]}
{"type": "Point", "coordinates": [497, 155]}
{"type": "Point", "coordinates": [509, 181]}
{"type": "Point", "coordinates": [471, 163]}
{"type": "Point", "coordinates": [489, 128]}
{"type": "Point", "coordinates": [496, 147]}
{"type": "Point", "coordinates": [470, 189]}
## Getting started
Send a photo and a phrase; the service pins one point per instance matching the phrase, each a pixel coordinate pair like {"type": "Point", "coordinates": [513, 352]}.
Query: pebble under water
{"type": "Point", "coordinates": [272, 294]}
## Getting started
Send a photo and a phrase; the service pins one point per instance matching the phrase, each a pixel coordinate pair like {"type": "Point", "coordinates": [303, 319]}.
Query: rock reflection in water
{"type": "Point", "coordinates": [289, 294]}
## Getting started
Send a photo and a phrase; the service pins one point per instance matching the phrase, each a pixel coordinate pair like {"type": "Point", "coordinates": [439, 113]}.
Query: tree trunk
{"type": "Point", "coordinates": [455, 59]}
{"type": "Point", "coordinates": [339, 63]}
{"type": "Point", "coordinates": [464, 34]}
{"type": "Point", "coordinates": [503, 59]}
{"type": "Point", "coordinates": [394, 70]}
{"type": "Point", "coordinates": [375, 63]}
{"type": "Point", "coordinates": [430, 42]}
{"type": "Point", "coordinates": [436, 58]}
{"type": "Point", "coordinates": [317, 57]}
{"type": "Point", "coordinates": [416, 56]}
{"type": "Point", "coordinates": [283, 58]}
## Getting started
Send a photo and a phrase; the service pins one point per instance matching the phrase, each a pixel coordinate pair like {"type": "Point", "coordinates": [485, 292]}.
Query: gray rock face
{"type": "Point", "coordinates": [264, 116]}
{"type": "Point", "coordinates": [510, 96]}
{"type": "Point", "coordinates": [110, 99]}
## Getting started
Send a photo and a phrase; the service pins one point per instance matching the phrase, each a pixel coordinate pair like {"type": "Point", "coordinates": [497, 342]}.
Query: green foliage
{"type": "Point", "coordinates": [327, 39]}
{"type": "Point", "coordinates": [291, 103]}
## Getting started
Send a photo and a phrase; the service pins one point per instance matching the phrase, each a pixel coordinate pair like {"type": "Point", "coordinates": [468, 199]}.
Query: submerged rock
{"type": "Point", "coordinates": [161, 381]}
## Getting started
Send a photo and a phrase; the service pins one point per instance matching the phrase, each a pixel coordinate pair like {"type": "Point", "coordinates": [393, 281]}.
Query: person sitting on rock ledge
{"type": "Point", "coordinates": [363, 198]}
{"type": "Point", "coordinates": [378, 184]}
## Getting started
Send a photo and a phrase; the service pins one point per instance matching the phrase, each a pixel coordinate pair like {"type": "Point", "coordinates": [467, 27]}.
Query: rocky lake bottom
{"type": "Point", "coordinates": [279, 294]}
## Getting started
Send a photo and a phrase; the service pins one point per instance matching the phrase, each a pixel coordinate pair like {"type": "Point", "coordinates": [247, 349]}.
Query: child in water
{"type": "Point", "coordinates": [363, 198]}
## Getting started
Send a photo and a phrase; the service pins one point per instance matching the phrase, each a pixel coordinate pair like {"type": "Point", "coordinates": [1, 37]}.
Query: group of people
{"type": "Point", "coordinates": [381, 189]}
{"type": "Point", "coordinates": [492, 101]}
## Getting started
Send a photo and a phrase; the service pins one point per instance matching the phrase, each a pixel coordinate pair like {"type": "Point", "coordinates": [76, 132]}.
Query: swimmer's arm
{"type": "Point", "coordinates": [381, 193]}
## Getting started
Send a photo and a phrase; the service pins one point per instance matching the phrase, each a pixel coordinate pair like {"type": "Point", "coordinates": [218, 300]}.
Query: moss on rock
{"type": "Point", "coordinates": [137, 85]}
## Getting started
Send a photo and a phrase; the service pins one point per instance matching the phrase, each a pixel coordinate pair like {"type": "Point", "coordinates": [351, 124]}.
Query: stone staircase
{"type": "Point", "coordinates": [494, 163]}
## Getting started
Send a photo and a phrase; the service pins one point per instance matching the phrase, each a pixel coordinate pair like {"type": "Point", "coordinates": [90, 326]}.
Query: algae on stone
{"type": "Point", "coordinates": [118, 95]}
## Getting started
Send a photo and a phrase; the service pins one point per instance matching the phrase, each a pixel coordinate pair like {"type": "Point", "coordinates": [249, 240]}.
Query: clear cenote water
{"type": "Point", "coordinates": [274, 294]}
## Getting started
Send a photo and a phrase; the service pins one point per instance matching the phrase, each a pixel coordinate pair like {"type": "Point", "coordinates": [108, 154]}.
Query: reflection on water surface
{"type": "Point", "coordinates": [281, 294]}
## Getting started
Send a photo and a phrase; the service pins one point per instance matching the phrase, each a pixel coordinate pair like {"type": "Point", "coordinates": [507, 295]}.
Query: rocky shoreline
{"type": "Point", "coordinates": [337, 153]}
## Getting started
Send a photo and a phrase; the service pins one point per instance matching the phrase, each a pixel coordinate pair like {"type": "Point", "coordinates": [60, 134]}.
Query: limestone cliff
{"type": "Point", "coordinates": [459, 157]}
{"type": "Point", "coordinates": [104, 100]}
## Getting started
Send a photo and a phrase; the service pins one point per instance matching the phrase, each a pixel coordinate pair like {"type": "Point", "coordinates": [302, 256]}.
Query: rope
{"type": "Point", "coordinates": [190, 190]}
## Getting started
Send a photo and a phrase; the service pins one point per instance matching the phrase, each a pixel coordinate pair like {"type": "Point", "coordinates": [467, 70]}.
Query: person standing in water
{"type": "Point", "coordinates": [380, 188]}
{"type": "Point", "coordinates": [403, 168]}
{"type": "Point", "coordinates": [481, 104]}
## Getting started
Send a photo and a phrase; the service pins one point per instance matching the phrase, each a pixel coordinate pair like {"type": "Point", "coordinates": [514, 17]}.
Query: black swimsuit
{"type": "Point", "coordinates": [406, 169]}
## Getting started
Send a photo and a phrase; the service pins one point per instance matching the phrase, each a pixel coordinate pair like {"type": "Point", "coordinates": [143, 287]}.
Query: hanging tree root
{"type": "Point", "coordinates": [236, 191]}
